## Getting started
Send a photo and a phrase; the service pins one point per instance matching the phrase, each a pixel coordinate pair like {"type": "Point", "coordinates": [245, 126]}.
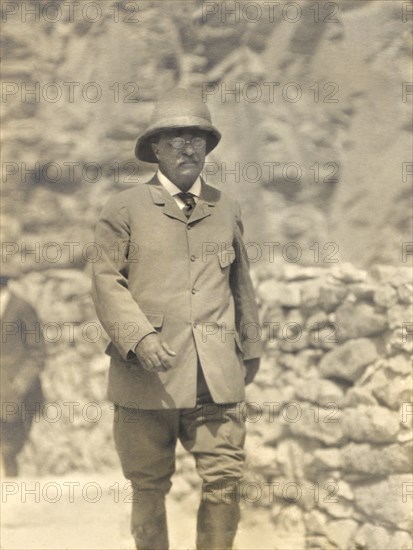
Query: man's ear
{"type": "Point", "coordinates": [155, 148]}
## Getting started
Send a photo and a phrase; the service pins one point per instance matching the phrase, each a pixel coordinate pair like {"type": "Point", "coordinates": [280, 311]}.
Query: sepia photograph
{"type": "Point", "coordinates": [206, 275]}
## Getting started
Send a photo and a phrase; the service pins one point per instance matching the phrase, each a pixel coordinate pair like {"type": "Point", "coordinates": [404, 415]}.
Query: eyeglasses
{"type": "Point", "coordinates": [196, 142]}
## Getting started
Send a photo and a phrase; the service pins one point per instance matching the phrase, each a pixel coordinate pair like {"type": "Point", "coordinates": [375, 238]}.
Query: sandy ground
{"type": "Point", "coordinates": [92, 512]}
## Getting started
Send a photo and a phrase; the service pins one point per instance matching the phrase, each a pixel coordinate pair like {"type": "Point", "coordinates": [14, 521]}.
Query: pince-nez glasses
{"type": "Point", "coordinates": [196, 142]}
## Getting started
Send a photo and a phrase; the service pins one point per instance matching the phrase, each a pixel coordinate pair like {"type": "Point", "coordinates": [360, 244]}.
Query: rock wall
{"type": "Point", "coordinates": [337, 375]}
{"type": "Point", "coordinates": [329, 415]}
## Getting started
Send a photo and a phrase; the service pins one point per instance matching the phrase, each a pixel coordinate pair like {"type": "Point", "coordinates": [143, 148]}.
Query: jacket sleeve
{"type": "Point", "coordinates": [246, 310]}
{"type": "Point", "coordinates": [120, 315]}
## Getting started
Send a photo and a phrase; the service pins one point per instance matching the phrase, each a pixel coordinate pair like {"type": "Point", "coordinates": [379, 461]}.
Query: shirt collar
{"type": "Point", "coordinates": [174, 190]}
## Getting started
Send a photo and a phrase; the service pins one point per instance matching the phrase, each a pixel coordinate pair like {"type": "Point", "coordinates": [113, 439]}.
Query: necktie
{"type": "Point", "coordinates": [188, 199]}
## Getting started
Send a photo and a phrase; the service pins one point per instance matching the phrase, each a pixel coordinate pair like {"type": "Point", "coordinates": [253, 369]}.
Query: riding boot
{"type": "Point", "coordinates": [217, 525]}
{"type": "Point", "coordinates": [149, 526]}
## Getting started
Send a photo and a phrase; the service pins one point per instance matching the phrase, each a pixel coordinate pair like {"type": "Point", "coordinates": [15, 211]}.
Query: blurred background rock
{"type": "Point", "coordinates": [62, 159]}
{"type": "Point", "coordinates": [351, 112]}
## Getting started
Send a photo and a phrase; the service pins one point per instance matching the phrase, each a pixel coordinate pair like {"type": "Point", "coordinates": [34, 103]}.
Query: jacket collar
{"type": "Point", "coordinates": [161, 197]}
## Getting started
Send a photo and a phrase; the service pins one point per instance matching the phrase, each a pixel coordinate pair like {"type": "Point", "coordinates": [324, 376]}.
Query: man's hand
{"type": "Point", "coordinates": [153, 354]}
{"type": "Point", "coordinates": [251, 366]}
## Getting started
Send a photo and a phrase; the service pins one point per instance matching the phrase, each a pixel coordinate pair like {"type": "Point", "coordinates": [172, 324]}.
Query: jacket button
{"type": "Point", "coordinates": [188, 227]}
{"type": "Point", "coordinates": [192, 258]}
{"type": "Point", "coordinates": [194, 291]}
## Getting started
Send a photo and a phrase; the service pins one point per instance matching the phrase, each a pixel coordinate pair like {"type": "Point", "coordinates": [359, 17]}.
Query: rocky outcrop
{"type": "Point", "coordinates": [328, 132]}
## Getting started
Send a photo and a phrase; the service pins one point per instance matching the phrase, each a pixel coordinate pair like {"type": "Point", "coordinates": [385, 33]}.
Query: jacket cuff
{"type": "Point", "coordinates": [130, 354]}
{"type": "Point", "coordinates": [251, 350]}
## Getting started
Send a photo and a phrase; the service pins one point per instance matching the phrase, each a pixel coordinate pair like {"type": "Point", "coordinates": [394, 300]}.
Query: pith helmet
{"type": "Point", "coordinates": [180, 108]}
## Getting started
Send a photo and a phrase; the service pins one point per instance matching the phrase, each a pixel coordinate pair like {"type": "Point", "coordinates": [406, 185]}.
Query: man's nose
{"type": "Point", "coordinates": [189, 150]}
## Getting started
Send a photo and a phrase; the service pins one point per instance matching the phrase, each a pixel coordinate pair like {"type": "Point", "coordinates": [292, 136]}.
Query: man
{"type": "Point", "coordinates": [22, 360]}
{"type": "Point", "coordinates": [173, 291]}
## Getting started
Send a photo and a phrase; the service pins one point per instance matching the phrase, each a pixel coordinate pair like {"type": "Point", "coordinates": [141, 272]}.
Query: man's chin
{"type": "Point", "coordinates": [187, 175]}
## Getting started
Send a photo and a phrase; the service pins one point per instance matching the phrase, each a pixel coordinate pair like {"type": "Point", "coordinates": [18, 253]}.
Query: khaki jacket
{"type": "Point", "coordinates": [186, 279]}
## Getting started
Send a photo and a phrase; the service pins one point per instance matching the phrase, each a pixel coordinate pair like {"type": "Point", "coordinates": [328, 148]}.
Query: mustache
{"type": "Point", "coordinates": [188, 161]}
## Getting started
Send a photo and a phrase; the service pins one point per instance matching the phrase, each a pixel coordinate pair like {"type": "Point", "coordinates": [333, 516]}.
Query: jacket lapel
{"type": "Point", "coordinates": [205, 203]}
{"type": "Point", "coordinates": [161, 197]}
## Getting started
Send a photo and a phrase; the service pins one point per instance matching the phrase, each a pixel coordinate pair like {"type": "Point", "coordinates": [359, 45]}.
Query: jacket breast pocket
{"type": "Point", "coordinates": [226, 256]}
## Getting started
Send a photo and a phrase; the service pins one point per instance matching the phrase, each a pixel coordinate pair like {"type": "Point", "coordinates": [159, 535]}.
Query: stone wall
{"type": "Point", "coordinates": [329, 415]}
{"type": "Point", "coordinates": [339, 374]}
